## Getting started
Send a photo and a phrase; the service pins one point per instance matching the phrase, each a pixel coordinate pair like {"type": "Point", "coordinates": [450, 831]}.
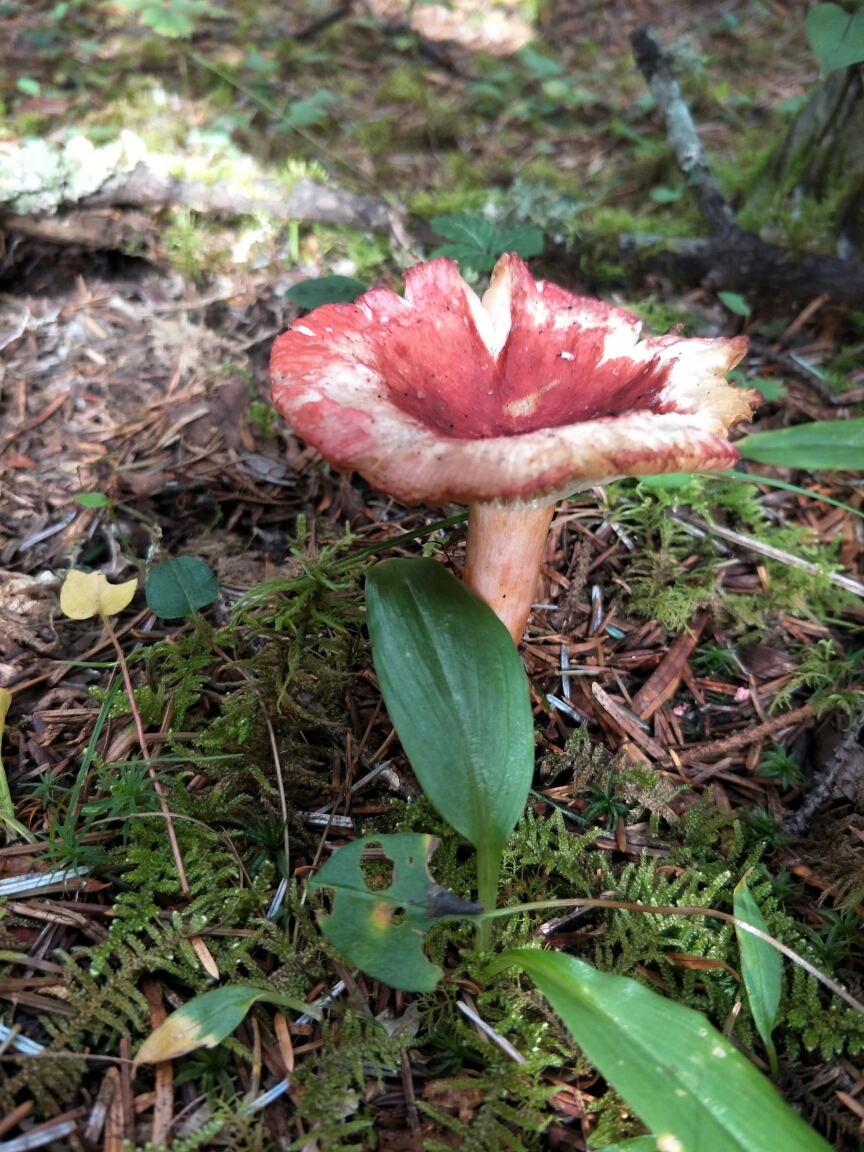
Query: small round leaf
{"type": "Point", "coordinates": [180, 586]}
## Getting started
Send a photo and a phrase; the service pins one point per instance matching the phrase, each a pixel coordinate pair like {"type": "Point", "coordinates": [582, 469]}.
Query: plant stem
{"type": "Point", "coordinates": [488, 871]}
{"type": "Point", "coordinates": [145, 753]}
{"type": "Point", "coordinates": [670, 910]}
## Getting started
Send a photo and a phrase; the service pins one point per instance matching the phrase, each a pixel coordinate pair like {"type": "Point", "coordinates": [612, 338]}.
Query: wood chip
{"type": "Point", "coordinates": [628, 725]}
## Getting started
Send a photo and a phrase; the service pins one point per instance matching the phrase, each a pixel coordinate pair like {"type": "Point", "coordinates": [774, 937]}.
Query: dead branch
{"type": "Point", "coordinates": [730, 257]}
{"type": "Point", "coordinates": [823, 785]}
{"type": "Point", "coordinates": [105, 221]}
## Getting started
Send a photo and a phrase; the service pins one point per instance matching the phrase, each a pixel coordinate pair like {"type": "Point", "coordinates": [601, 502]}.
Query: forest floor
{"type": "Point", "coordinates": [144, 377]}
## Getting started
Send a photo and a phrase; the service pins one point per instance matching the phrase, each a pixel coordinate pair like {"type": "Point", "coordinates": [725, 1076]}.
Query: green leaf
{"type": "Point", "coordinates": [836, 36]}
{"type": "Point", "coordinates": [823, 445]}
{"type": "Point", "coordinates": [525, 241]}
{"type": "Point", "coordinates": [180, 586]}
{"type": "Point", "coordinates": [638, 1144]}
{"type": "Point", "coordinates": [681, 1077]}
{"type": "Point", "coordinates": [663, 195]}
{"type": "Point", "coordinates": [303, 113]}
{"type": "Point", "coordinates": [771, 390]}
{"type": "Point", "coordinates": [667, 480]}
{"type": "Point", "coordinates": [381, 929]}
{"type": "Point", "coordinates": [205, 1021]}
{"type": "Point", "coordinates": [478, 244]}
{"type": "Point", "coordinates": [468, 257]}
{"type": "Point", "coordinates": [476, 232]}
{"type": "Point", "coordinates": [734, 302]}
{"type": "Point", "coordinates": [761, 967]}
{"type": "Point", "coordinates": [457, 694]}
{"type": "Point", "coordinates": [93, 500]}
{"type": "Point", "coordinates": [28, 86]}
{"type": "Point", "coordinates": [311, 294]}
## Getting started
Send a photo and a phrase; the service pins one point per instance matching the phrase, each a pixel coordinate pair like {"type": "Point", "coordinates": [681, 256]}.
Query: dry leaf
{"type": "Point", "coordinates": [86, 594]}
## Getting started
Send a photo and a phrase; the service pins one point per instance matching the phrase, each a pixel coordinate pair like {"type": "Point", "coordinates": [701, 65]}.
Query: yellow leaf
{"type": "Point", "coordinates": [86, 594]}
{"type": "Point", "coordinates": [5, 702]}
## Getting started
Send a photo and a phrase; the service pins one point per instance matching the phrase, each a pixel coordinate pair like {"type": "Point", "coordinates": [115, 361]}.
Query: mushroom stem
{"type": "Point", "coordinates": [502, 558]}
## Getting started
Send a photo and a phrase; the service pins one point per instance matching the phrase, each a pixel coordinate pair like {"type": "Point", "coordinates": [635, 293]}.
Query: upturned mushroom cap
{"type": "Point", "coordinates": [527, 396]}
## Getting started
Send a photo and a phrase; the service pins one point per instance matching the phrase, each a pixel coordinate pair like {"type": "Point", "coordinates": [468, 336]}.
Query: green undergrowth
{"type": "Point", "coordinates": [288, 654]}
{"type": "Point", "coordinates": [664, 589]}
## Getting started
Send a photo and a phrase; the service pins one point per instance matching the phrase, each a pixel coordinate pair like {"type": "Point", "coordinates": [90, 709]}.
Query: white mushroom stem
{"type": "Point", "coordinates": [502, 559]}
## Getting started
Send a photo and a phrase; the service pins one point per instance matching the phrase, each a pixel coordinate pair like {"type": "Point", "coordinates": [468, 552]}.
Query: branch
{"type": "Point", "coordinates": [683, 137]}
{"type": "Point", "coordinates": [731, 257]}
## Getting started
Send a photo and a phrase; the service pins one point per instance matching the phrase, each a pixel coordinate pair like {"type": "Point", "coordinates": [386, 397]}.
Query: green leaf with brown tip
{"type": "Point", "coordinates": [205, 1021]}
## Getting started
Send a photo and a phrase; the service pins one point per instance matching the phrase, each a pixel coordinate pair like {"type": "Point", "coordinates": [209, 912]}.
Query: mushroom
{"type": "Point", "coordinates": [507, 405]}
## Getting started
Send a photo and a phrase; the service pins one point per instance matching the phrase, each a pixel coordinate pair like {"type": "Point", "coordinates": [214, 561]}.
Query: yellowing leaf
{"type": "Point", "coordinates": [205, 1021]}
{"type": "Point", "coordinates": [86, 594]}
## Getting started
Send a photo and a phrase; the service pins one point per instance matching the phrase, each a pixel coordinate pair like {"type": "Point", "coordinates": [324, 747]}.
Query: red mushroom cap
{"type": "Point", "coordinates": [527, 396]}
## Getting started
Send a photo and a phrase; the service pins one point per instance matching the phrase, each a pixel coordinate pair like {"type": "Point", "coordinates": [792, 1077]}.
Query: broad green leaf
{"type": "Point", "coordinates": [525, 241]}
{"type": "Point", "coordinates": [93, 500]}
{"type": "Point", "coordinates": [479, 259]}
{"type": "Point", "coordinates": [86, 594]}
{"type": "Point", "coordinates": [474, 231]}
{"type": "Point", "coordinates": [381, 929]}
{"type": "Point", "coordinates": [457, 694]}
{"type": "Point", "coordinates": [477, 243]}
{"type": "Point", "coordinates": [682, 1078]}
{"type": "Point", "coordinates": [836, 36]}
{"type": "Point", "coordinates": [823, 445]}
{"type": "Point", "coordinates": [180, 586]}
{"type": "Point", "coordinates": [205, 1021]}
{"type": "Point", "coordinates": [771, 389]}
{"type": "Point", "coordinates": [734, 302]}
{"type": "Point", "coordinates": [761, 967]}
{"type": "Point", "coordinates": [311, 294]}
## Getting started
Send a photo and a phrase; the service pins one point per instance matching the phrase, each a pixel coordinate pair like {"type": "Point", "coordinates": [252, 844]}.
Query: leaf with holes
{"type": "Point", "coordinates": [836, 36]}
{"type": "Point", "coordinates": [205, 1021]}
{"type": "Point", "coordinates": [679, 1075]}
{"type": "Point", "coordinates": [381, 929]}
{"type": "Point", "coordinates": [761, 968]}
{"type": "Point", "coordinates": [180, 586]}
{"type": "Point", "coordinates": [309, 294]}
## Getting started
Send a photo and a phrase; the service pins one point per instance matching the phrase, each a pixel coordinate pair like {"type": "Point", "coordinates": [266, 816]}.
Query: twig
{"type": "Point", "coordinates": [413, 1115]}
{"type": "Point", "coordinates": [802, 371]}
{"type": "Point", "coordinates": [755, 545]}
{"type": "Point", "coordinates": [681, 132]}
{"type": "Point", "coordinates": [824, 782]}
{"type": "Point", "coordinates": [747, 737]}
{"type": "Point", "coordinates": [668, 910]}
{"type": "Point", "coordinates": [731, 257]}
{"type": "Point", "coordinates": [489, 1031]}
{"type": "Point", "coordinates": [145, 754]}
